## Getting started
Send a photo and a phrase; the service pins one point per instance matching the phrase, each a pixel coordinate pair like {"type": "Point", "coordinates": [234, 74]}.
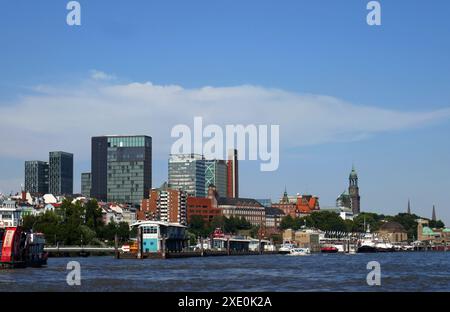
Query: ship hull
{"type": "Point", "coordinates": [367, 249]}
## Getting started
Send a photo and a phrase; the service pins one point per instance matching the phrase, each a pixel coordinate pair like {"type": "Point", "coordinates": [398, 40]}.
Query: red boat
{"type": "Point", "coordinates": [329, 249]}
{"type": "Point", "coordinates": [19, 249]}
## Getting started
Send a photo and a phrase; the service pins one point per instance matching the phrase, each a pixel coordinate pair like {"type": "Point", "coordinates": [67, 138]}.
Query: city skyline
{"type": "Point", "coordinates": [341, 91]}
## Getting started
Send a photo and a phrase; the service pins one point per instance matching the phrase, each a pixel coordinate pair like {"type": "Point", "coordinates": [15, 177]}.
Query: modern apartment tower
{"type": "Point", "coordinates": [164, 204]}
{"type": "Point", "coordinates": [60, 173]}
{"type": "Point", "coordinates": [187, 173]}
{"type": "Point", "coordinates": [86, 184]}
{"type": "Point", "coordinates": [233, 174]}
{"type": "Point", "coordinates": [216, 174]}
{"type": "Point", "coordinates": [36, 177]}
{"type": "Point", "coordinates": [121, 168]}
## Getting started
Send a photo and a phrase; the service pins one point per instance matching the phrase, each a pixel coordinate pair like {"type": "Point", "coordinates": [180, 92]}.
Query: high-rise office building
{"type": "Point", "coordinates": [233, 174]}
{"type": "Point", "coordinates": [86, 184]}
{"type": "Point", "coordinates": [60, 173]}
{"type": "Point", "coordinates": [36, 177]}
{"type": "Point", "coordinates": [216, 174]}
{"type": "Point", "coordinates": [187, 172]}
{"type": "Point", "coordinates": [121, 168]}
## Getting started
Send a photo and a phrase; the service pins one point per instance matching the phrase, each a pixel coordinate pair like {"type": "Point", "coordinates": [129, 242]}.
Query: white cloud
{"type": "Point", "coordinates": [99, 75]}
{"type": "Point", "coordinates": [65, 119]}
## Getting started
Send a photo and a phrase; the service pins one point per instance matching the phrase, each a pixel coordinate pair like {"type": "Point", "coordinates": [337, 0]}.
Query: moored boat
{"type": "Point", "coordinates": [299, 252]}
{"type": "Point", "coordinates": [19, 249]}
{"type": "Point", "coordinates": [329, 249]}
{"type": "Point", "coordinates": [286, 247]}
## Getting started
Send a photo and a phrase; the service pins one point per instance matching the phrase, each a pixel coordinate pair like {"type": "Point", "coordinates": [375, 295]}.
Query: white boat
{"type": "Point", "coordinates": [299, 252]}
{"type": "Point", "coordinates": [286, 248]}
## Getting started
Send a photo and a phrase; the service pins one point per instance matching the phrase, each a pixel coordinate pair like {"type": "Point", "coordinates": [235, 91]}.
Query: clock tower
{"type": "Point", "coordinates": [353, 191]}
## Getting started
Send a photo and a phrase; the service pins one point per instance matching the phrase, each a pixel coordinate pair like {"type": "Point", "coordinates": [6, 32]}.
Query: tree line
{"type": "Point", "coordinates": [232, 225]}
{"type": "Point", "coordinates": [75, 224]}
{"type": "Point", "coordinates": [331, 221]}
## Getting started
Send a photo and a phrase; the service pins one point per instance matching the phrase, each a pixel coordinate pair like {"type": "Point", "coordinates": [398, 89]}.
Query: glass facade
{"type": "Point", "coordinates": [216, 174]}
{"type": "Point", "coordinates": [36, 177]}
{"type": "Point", "coordinates": [60, 173]}
{"type": "Point", "coordinates": [86, 184]}
{"type": "Point", "coordinates": [187, 172]}
{"type": "Point", "coordinates": [121, 168]}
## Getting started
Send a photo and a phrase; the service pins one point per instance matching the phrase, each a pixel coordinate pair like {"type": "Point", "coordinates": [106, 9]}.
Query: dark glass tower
{"type": "Point", "coordinates": [121, 168]}
{"type": "Point", "coordinates": [60, 173]}
{"type": "Point", "coordinates": [99, 165]}
{"type": "Point", "coordinates": [86, 184]}
{"type": "Point", "coordinates": [36, 176]}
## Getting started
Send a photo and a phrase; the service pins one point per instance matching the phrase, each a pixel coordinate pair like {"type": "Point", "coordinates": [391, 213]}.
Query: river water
{"type": "Point", "coordinates": [414, 271]}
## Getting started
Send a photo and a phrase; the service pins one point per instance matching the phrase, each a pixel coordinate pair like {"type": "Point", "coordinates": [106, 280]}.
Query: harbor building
{"type": "Point", "coordinates": [60, 173]}
{"type": "Point", "coordinates": [216, 174]}
{"type": "Point", "coordinates": [121, 168]}
{"type": "Point", "coordinates": [232, 174]}
{"type": "Point", "coordinates": [393, 232]}
{"type": "Point", "coordinates": [164, 204]}
{"type": "Point", "coordinates": [86, 184]}
{"type": "Point", "coordinates": [303, 238]}
{"type": "Point", "coordinates": [36, 177]}
{"type": "Point", "coordinates": [159, 236]}
{"type": "Point", "coordinates": [432, 235]}
{"type": "Point", "coordinates": [187, 173]}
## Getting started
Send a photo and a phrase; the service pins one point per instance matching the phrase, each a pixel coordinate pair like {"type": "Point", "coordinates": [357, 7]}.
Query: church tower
{"type": "Point", "coordinates": [353, 191]}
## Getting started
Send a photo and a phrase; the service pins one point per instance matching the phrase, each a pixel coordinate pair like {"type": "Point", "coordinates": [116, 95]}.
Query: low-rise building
{"type": "Point", "coordinates": [247, 208]}
{"type": "Point", "coordinates": [305, 238]}
{"type": "Point", "coordinates": [158, 236]}
{"type": "Point", "coordinates": [10, 213]}
{"type": "Point", "coordinates": [393, 232]}
{"type": "Point", "coordinates": [432, 235]}
{"type": "Point", "coordinates": [273, 220]}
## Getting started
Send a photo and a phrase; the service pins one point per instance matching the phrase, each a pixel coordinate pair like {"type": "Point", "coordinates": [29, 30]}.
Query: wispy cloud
{"type": "Point", "coordinates": [60, 118]}
{"type": "Point", "coordinates": [99, 75]}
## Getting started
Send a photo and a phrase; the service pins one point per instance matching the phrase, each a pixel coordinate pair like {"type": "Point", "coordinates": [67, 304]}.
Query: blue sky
{"type": "Point", "coordinates": [301, 47]}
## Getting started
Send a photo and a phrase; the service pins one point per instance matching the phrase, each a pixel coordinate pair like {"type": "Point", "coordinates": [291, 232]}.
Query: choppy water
{"type": "Point", "coordinates": [419, 271]}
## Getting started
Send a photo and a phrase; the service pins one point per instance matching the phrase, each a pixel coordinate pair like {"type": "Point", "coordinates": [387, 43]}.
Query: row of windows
{"type": "Point", "coordinates": [150, 230]}
{"type": "Point", "coordinates": [128, 142]}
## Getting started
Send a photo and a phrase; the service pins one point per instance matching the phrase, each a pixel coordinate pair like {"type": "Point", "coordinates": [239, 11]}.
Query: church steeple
{"type": "Point", "coordinates": [285, 198]}
{"type": "Point", "coordinates": [353, 191]}
{"type": "Point", "coordinates": [353, 177]}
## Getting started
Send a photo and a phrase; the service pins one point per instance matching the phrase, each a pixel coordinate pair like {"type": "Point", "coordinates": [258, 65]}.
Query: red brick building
{"type": "Point", "coordinates": [205, 207]}
{"type": "Point", "coordinates": [296, 206]}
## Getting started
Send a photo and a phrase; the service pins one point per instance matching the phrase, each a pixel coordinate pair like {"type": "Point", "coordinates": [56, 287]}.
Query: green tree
{"type": "Point", "coordinates": [197, 226]}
